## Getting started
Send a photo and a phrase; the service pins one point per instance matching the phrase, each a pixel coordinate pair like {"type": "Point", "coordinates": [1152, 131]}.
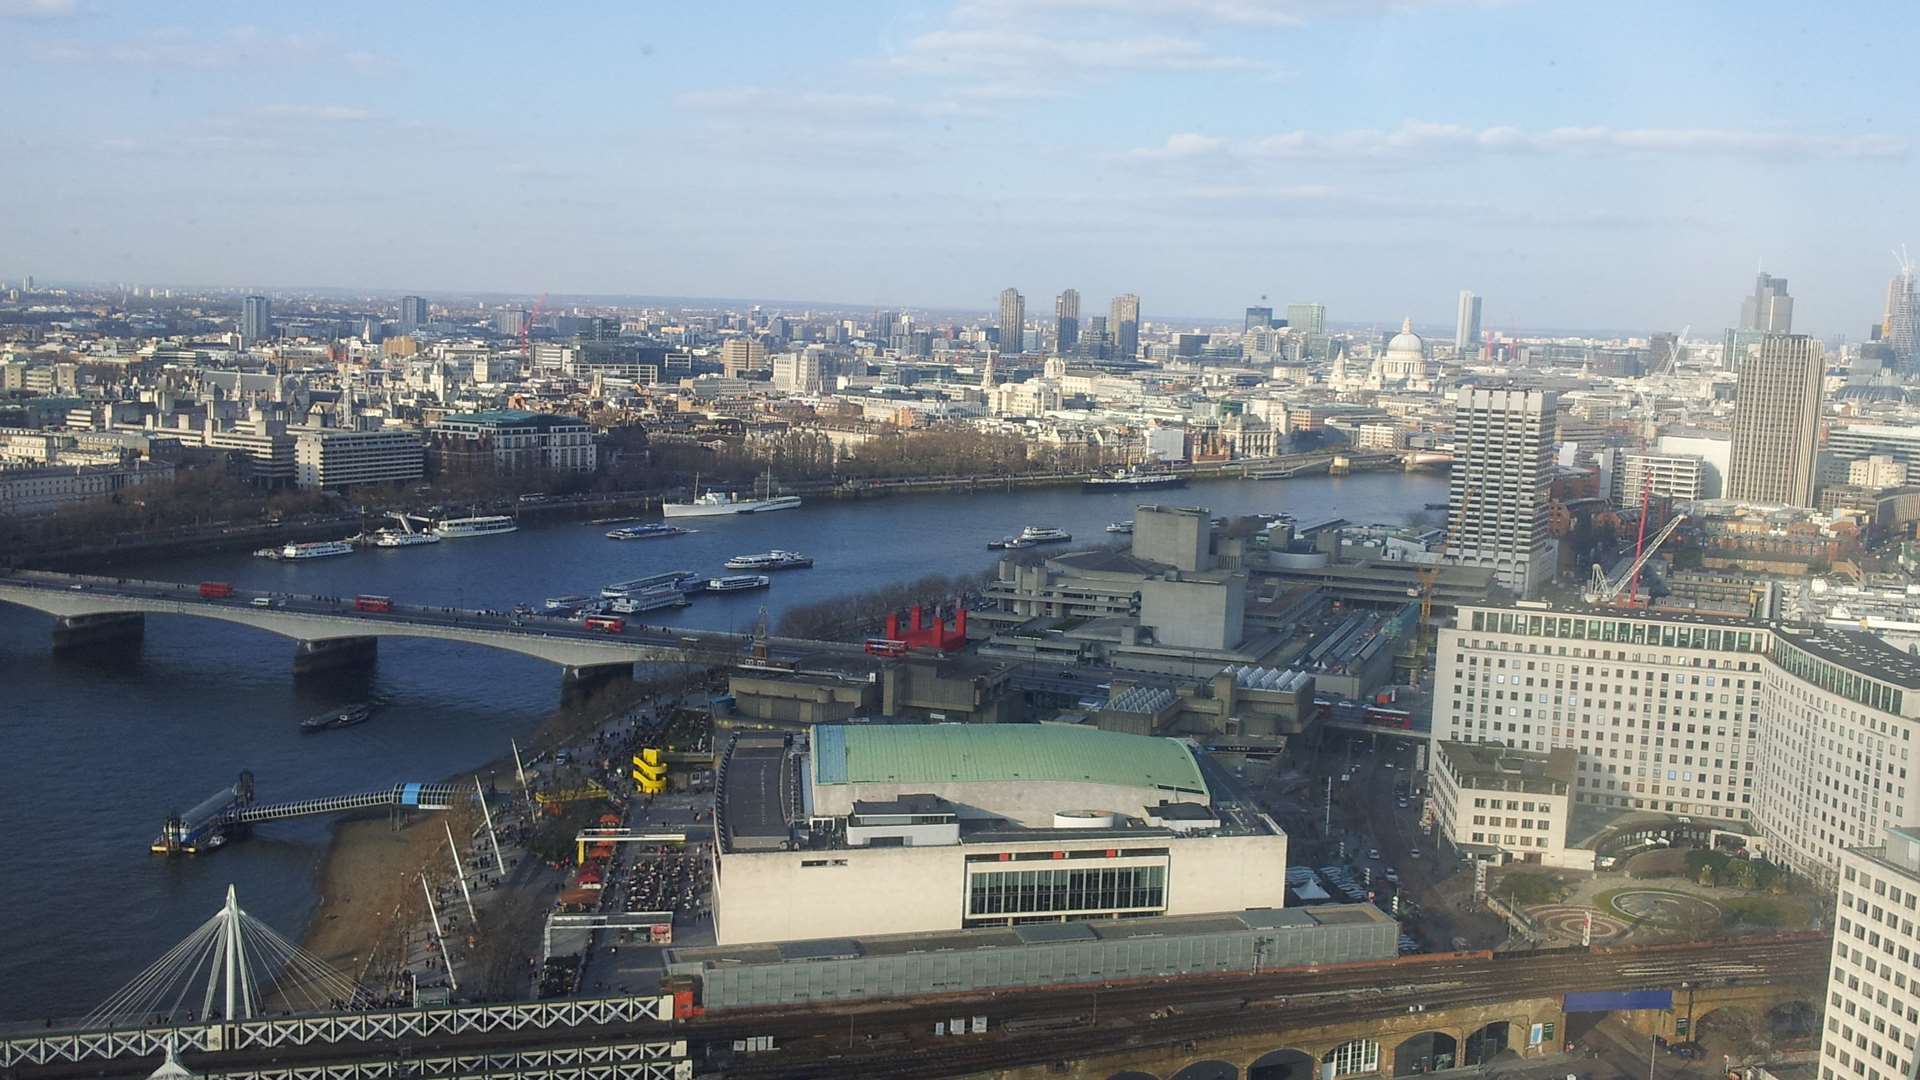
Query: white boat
{"type": "Point", "coordinates": [672, 579]}
{"type": "Point", "coordinates": [722, 503]}
{"type": "Point", "coordinates": [650, 600]}
{"type": "Point", "coordinates": [657, 530]}
{"type": "Point", "coordinates": [319, 549]}
{"type": "Point", "coordinates": [389, 538]}
{"type": "Point", "coordinates": [1036, 534]}
{"type": "Point", "coordinates": [771, 560]}
{"type": "Point", "coordinates": [1123, 527]}
{"type": "Point", "coordinates": [739, 583]}
{"type": "Point", "coordinates": [568, 604]}
{"type": "Point", "coordinates": [487, 525]}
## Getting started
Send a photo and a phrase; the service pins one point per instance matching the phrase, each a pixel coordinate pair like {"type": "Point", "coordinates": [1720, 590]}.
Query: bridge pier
{"type": "Point", "coordinates": [579, 683]}
{"type": "Point", "coordinates": [328, 654]}
{"type": "Point", "coordinates": [77, 631]}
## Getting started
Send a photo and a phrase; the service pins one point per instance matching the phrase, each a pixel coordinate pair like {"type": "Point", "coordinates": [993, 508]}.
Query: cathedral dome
{"type": "Point", "coordinates": [1406, 343]}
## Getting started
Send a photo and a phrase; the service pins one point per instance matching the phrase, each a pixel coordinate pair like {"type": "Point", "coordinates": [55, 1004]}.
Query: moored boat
{"type": "Point", "coordinates": [346, 717]}
{"type": "Point", "coordinates": [738, 583]}
{"type": "Point", "coordinates": [770, 560]}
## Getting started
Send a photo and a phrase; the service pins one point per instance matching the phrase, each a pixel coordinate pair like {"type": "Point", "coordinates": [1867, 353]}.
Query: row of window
{"type": "Point", "coordinates": [1012, 892]}
{"type": "Point", "coordinates": [1627, 632]}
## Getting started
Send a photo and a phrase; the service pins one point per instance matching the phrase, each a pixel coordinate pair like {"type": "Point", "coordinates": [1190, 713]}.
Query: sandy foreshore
{"type": "Point", "coordinates": [369, 875]}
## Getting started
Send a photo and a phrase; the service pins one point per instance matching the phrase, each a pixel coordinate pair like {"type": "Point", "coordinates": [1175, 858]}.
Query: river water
{"type": "Point", "coordinates": [101, 745]}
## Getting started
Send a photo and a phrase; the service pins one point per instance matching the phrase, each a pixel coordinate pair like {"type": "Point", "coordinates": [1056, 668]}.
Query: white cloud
{"type": "Point", "coordinates": [1416, 140]}
{"type": "Point", "coordinates": [969, 52]}
{"type": "Point", "coordinates": [757, 101]}
{"type": "Point", "coordinates": [39, 9]}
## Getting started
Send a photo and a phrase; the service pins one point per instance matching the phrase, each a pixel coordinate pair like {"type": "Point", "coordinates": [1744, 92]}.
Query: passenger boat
{"type": "Point", "coordinates": [656, 530]}
{"type": "Point", "coordinates": [739, 583]}
{"type": "Point", "coordinates": [485, 525]}
{"type": "Point", "coordinates": [1008, 543]}
{"type": "Point", "coordinates": [1125, 528]}
{"type": "Point", "coordinates": [1132, 480]}
{"type": "Point", "coordinates": [336, 718]}
{"type": "Point", "coordinates": [319, 549]}
{"type": "Point", "coordinates": [568, 604]}
{"type": "Point", "coordinates": [672, 579]}
{"type": "Point", "coordinates": [771, 560]}
{"type": "Point", "coordinates": [649, 600]}
{"type": "Point", "coordinates": [1036, 534]}
{"type": "Point", "coordinates": [722, 503]}
{"type": "Point", "coordinates": [392, 538]}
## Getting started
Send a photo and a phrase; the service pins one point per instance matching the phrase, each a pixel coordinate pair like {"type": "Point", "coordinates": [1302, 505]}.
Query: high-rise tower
{"type": "Point", "coordinates": [1776, 420]}
{"type": "Point", "coordinates": [413, 313]}
{"type": "Point", "coordinates": [1466, 326]}
{"type": "Point", "coordinates": [1066, 321]}
{"type": "Point", "coordinates": [1901, 327]}
{"type": "Point", "coordinates": [256, 319]}
{"type": "Point", "coordinates": [1502, 476]}
{"type": "Point", "coordinates": [1769, 309]}
{"type": "Point", "coordinates": [1013, 321]}
{"type": "Point", "coordinates": [1124, 324]}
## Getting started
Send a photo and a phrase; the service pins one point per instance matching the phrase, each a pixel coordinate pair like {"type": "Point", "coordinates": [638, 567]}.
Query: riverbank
{"type": "Point", "coordinates": [368, 883]}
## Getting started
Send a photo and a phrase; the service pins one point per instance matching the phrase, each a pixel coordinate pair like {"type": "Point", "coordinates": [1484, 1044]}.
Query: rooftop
{"type": "Point", "coordinates": [987, 753]}
{"type": "Point", "coordinates": [509, 416]}
{"type": "Point", "coordinates": [1490, 766]}
{"type": "Point", "coordinates": [1857, 651]}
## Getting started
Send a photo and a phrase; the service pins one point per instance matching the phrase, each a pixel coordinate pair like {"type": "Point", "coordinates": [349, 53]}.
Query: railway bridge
{"type": "Point", "coordinates": [331, 631]}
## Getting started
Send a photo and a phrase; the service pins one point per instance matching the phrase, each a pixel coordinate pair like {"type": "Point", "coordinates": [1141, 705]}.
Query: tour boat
{"type": "Point", "coordinates": [739, 583]}
{"type": "Point", "coordinates": [390, 538]}
{"type": "Point", "coordinates": [319, 549]}
{"type": "Point", "coordinates": [672, 579]}
{"type": "Point", "coordinates": [771, 560]}
{"type": "Point", "coordinates": [1036, 534]}
{"type": "Point", "coordinates": [1125, 528]}
{"type": "Point", "coordinates": [486, 525]}
{"type": "Point", "coordinates": [649, 600]}
{"type": "Point", "coordinates": [657, 530]}
{"type": "Point", "coordinates": [1132, 480]}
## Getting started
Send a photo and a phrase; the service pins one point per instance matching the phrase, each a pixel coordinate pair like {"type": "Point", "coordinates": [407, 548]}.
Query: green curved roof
{"type": "Point", "coordinates": [952, 753]}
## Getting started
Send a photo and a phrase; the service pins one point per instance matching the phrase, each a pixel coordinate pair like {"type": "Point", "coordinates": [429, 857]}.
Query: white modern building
{"type": "Point", "coordinates": [1662, 476]}
{"type": "Point", "coordinates": [1872, 1010]}
{"type": "Point", "coordinates": [897, 828]}
{"type": "Point", "coordinates": [521, 440]}
{"type": "Point", "coordinates": [1506, 805]}
{"type": "Point", "coordinates": [343, 457]}
{"type": "Point", "coordinates": [1840, 709]}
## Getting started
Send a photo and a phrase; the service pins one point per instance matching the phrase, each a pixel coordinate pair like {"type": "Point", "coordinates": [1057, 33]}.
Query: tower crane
{"type": "Point", "coordinates": [1428, 577]}
{"type": "Point", "coordinates": [1599, 590]}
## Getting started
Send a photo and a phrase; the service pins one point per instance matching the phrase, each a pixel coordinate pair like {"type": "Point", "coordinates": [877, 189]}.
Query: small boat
{"type": "Point", "coordinates": [739, 583]}
{"type": "Point", "coordinates": [1125, 528]}
{"type": "Point", "coordinates": [1132, 480]}
{"type": "Point", "coordinates": [1037, 534]}
{"type": "Point", "coordinates": [336, 718]}
{"type": "Point", "coordinates": [771, 560]}
{"type": "Point", "coordinates": [568, 604]}
{"type": "Point", "coordinates": [393, 538]}
{"type": "Point", "coordinates": [319, 549]}
{"type": "Point", "coordinates": [1008, 543]}
{"type": "Point", "coordinates": [485, 525]}
{"type": "Point", "coordinates": [657, 530]}
{"type": "Point", "coordinates": [650, 600]}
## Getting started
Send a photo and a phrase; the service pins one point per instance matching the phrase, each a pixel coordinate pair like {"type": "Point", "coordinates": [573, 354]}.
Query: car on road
{"type": "Point", "coordinates": [1401, 802]}
{"type": "Point", "coordinates": [1373, 853]}
{"type": "Point", "coordinates": [1687, 1050]}
{"type": "Point", "coordinates": [1393, 876]}
{"type": "Point", "coordinates": [1414, 854]}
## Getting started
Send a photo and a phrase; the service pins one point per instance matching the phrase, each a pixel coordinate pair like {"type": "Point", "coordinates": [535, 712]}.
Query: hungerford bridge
{"type": "Point", "coordinates": [331, 631]}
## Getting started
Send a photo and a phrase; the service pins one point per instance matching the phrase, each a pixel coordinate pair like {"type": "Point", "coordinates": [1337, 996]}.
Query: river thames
{"type": "Point", "coordinates": [102, 745]}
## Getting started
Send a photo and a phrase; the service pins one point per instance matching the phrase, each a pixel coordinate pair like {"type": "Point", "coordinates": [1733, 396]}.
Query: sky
{"type": "Point", "coordinates": [1613, 166]}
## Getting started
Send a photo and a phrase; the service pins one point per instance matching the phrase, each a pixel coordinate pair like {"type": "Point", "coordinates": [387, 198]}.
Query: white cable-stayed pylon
{"type": "Point", "coordinates": [240, 965]}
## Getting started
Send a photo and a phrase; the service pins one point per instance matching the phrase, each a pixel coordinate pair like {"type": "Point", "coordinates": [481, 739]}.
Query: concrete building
{"type": "Point", "coordinates": [798, 372]}
{"type": "Point", "coordinates": [1507, 805]}
{"type": "Point", "coordinates": [1663, 476]}
{"type": "Point", "coordinates": [1776, 422]}
{"type": "Point", "coordinates": [886, 829]}
{"type": "Point", "coordinates": [738, 354]}
{"type": "Point", "coordinates": [515, 439]}
{"type": "Point", "coordinates": [1466, 325]}
{"type": "Point", "coordinates": [1310, 319]}
{"type": "Point", "coordinates": [1876, 471]}
{"type": "Point", "coordinates": [1123, 324]}
{"type": "Point", "coordinates": [1856, 442]}
{"type": "Point", "coordinates": [1013, 321]}
{"type": "Point", "coordinates": [1663, 711]}
{"type": "Point", "coordinates": [1066, 321]}
{"type": "Point", "coordinates": [413, 313]}
{"type": "Point", "coordinates": [339, 457]}
{"type": "Point", "coordinates": [256, 320]}
{"type": "Point", "coordinates": [1837, 747]}
{"type": "Point", "coordinates": [1769, 310]}
{"type": "Point", "coordinates": [26, 490]}
{"type": "Point", "coordinates": [1502, 475]}
{"type": "Point", "coordinates": [262, 441]}
{"type": "Point", "coordinates": [1872, 1011]}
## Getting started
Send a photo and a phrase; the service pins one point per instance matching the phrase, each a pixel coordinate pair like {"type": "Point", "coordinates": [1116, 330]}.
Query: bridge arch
{"type": "Point", "coordinates": [1425, 1052]}
{"type": "Point", "coordinates": [1353, 1057]}
{"type": "Point", "coordinates": [1732, 1029]}
{"type": "Point", "coordinates": [1796, 1019]}
{"type": "Point", "coordinates": [1487, 1043]}
{"type": "Point", "coordinates": [1285, 1063]}
{"type": "Point", "coordinates": [1212, 1069]}
{"type": "Point", "coordinates": [1133, 1074]}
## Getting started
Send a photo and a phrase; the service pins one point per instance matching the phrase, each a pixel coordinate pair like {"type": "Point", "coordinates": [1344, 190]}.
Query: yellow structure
{"type": "Point", "coordinates": [586, 793]}
{"type": "Point", "coordinates": [650, 771]}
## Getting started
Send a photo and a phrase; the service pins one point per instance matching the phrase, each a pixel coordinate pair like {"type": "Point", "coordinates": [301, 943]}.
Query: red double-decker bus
{"type": "Point", "coordinates": [611, 624]}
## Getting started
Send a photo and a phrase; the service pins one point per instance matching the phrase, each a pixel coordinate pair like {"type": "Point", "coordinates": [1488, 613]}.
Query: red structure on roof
{"type": "Point", "coordinates": [935, 634]}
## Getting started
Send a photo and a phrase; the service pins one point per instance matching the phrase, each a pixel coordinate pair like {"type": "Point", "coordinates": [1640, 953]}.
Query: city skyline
{"type": "Point", "coordinates": [1657, 178]}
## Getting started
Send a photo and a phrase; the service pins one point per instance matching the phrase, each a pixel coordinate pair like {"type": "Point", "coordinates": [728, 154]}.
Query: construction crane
{"type": "Point", "coordinates": [1599, 590]}
{"type": "Point", "coordinates": [526, 330]}
{"type": "Point", "coordinates": [1428, 577]}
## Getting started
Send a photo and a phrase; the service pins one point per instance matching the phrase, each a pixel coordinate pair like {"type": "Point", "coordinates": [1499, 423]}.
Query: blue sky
{"type": "Point", "coordinates": [1607, 165]}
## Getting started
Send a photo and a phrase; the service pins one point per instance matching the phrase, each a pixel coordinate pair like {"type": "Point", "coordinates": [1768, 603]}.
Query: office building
{"type": "Point", "coordinates": [256, 320]}
{"type": "Point", "coordinates": [413, 313]}
{"type": "Point", "coordinates": [1900, 327]}
{"type": "Point", "coordinates": [512, 322]}
{"type": "Point", "coordinates": [1875, 472]}
{"type": "Point", "coordinates": [30, 489]}
{"type": "Point", "coordinates": [1066, 321]}
{"type": "Point", "coordinates": [1013, 321]}
{"type": "Point", "coordinates": [1123, 326]}
{"type": "Point", "coordinates": [797, 372]}
{"type": "Point", "coordinates": [1769, 310]}
{"type": "Point", "coordinates": [1502, 805]}
{"type": "Point", "coordinates": [1466, 326]}
{"type": "Point", "coordinates": [335, 458]}
{"type": "Point", "coordinates": [1259, 318]}
{"type": "Point", "coordinates": [1837, 746]}
{"type": "Point", "coordinates": [740, 354]}
{"type": "Point", "coordinates": [897, 828]}
{"type": "Point", "coordinates": [1308, 319]}
{"type": "Point", "coordinates": [1662, 711]}
{"type": "Point", "coordinates": [1776, 421]}
{"type": "Point", "coordinates": [1857, 442]}
{"type": "Point", "coordinates": [1502, 472]}
{"type": "Point", "coordinates": [512, 440]}
{"type": "Point", "coordinates": [1872, 1011]}
{"type": "Point", "coordinates": [1647, 474]}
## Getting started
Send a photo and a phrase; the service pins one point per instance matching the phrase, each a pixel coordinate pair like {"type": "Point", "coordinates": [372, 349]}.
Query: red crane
{"type": "Point", "coordinates": [526, 328]}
